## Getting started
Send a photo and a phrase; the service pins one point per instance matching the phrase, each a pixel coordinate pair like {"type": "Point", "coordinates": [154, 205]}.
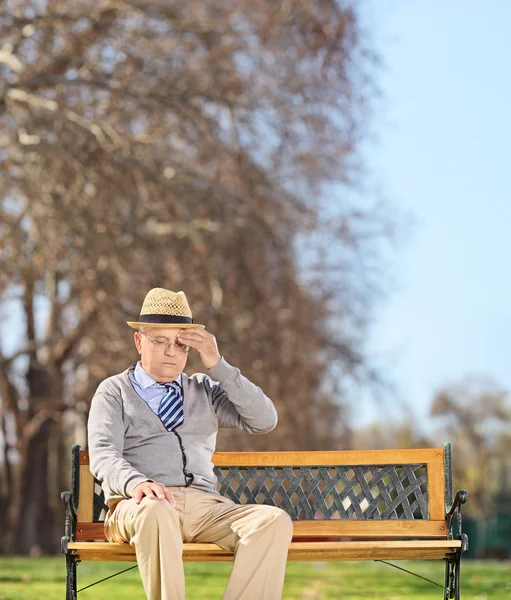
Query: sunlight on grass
{"type": "Point", "coordinates": [37, 578]}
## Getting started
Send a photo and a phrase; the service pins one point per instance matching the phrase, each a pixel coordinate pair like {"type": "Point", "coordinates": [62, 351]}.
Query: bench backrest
{"type": "Point", "coordinates": [355, 494]}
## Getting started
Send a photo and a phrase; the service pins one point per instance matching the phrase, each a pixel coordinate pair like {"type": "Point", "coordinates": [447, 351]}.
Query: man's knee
{"type": "Point", "coordinates": [278, 520]}
{"type": "Point", "coordinates": [284, 523]}
{"type": "Point", "coordinates": [155, 512]}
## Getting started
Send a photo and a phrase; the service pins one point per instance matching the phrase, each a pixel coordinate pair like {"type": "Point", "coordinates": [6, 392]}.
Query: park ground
{"type": "Point", "coordinates": [36, 578]}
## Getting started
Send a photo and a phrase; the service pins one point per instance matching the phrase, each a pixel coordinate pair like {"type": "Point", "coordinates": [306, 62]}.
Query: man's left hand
{"type": "Point", "coordinates": [204, 342]}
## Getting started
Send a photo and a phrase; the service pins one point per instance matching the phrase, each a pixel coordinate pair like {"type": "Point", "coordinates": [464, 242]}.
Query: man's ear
{"type": "Point", "coordinates": [137, 341]}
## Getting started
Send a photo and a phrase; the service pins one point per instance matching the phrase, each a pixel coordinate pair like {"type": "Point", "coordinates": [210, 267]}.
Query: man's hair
{"type": "Point", "coordinates": [141, 330]}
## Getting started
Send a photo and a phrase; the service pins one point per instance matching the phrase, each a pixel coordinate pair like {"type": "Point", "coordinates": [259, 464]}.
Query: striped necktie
{"type": "Point", "coordinates": [171, 407]}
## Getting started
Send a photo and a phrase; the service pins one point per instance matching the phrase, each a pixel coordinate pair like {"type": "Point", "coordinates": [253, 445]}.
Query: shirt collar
{"type": "Point", "coordinates": [145, 380]}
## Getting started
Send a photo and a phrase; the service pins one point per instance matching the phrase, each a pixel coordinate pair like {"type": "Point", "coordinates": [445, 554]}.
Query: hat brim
{"type": "Point", "coordinates": [135, 325]}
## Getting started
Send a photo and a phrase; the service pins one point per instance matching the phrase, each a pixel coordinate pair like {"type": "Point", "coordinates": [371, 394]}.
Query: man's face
{"type": "Point", "coordinates": [159, 355]}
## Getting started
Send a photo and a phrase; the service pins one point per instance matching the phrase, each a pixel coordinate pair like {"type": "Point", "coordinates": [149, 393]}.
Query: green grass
{"type": "Point", "coordinates": [43, 578]}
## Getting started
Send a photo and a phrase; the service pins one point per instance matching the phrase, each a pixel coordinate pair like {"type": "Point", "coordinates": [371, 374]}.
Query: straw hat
{"type": "Point", "coordinates": [163, 308]}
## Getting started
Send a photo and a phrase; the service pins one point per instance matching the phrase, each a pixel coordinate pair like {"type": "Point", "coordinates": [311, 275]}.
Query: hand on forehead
{"type": "Point", "coordinates": [172, 333]}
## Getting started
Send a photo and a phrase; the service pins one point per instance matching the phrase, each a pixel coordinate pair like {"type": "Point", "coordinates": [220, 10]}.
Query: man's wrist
{"type": "Point", "coordinates": [222, 371]}
{"type": "Point", "coordinates": [214, 362]}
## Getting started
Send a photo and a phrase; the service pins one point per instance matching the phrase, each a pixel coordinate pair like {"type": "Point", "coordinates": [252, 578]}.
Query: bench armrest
{"type": "Point", "coordinates": [455, 513]}
{"type": "Point", "coordinates": [70, 523]}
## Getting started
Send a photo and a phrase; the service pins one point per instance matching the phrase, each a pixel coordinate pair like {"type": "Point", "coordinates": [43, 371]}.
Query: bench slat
{"type": "Point", "coordinates": [320, 551]}
{"type": "Point", "coordinates": [318, 457]}
{"type": "Point", "coordinates": [354, 529]}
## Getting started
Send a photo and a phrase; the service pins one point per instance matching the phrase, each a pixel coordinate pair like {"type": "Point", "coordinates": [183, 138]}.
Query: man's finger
{"type": "Point", "coordinates": [191, 342]}
{"type": "Point", "coordinates": [159, 490]}
{"type": "Point", "coordinates": [194, 330]}
{"type": "Point", "coordinates": [192, 335]}
{"type": "Point", "coordinates": [189, 337]}
{"type": "Point", "coordinates": [170, 497]}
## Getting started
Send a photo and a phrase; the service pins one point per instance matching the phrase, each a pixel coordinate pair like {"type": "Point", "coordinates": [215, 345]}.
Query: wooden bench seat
{"type": "Point", "coordinates": [313, 551]}
{"type": "Point", "coordinates": [345, 505]}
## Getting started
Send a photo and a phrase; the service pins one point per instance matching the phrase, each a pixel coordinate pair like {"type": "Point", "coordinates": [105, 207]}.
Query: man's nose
{"type": "Point", "coordinates": [170, 350]}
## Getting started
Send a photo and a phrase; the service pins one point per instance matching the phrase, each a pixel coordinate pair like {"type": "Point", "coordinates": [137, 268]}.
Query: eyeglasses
{"type": "Point", "coordinates": [166, 344]}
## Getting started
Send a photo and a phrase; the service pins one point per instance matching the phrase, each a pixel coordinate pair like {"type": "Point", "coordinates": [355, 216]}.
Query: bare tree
{"type": "Point", "coordinates": [386, 434]}
{"type": "Point", "coordinates": [203, 146]}
{"type": "Point", "coordinates": [475, 415]}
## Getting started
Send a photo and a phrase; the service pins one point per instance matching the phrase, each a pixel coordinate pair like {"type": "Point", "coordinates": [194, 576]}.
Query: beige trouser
{"type": "Point", "coordinates": [259, 536]}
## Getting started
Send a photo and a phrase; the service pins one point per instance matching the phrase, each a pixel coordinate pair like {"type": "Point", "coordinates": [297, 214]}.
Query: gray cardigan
{"type": "Point", "coordinates": [128, 443]}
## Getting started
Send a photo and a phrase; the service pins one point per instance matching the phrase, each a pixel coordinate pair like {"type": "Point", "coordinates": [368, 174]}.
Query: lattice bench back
{"type": "Point", "coordinates": [356, 494]}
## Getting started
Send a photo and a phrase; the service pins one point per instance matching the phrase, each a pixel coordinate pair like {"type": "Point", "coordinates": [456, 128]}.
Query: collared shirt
{"type": "Point", "coordinates": [149, 389]}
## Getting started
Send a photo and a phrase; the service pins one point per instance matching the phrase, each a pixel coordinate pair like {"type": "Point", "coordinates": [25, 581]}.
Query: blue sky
{"type": "Point", "coordinates": [443, 155]}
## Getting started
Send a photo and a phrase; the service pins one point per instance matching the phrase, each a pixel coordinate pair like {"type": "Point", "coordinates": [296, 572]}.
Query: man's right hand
{"type": "Point", "coordinates": [151, 489]}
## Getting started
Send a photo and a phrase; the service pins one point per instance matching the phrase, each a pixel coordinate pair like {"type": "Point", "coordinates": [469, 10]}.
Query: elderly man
{"type": "Point", "coordinates": [152, 432]}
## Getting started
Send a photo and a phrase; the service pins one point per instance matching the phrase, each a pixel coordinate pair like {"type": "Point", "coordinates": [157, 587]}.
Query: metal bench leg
{"type": "Point", "coordinates": [71, 562]}
{"type": "Point", "coordinates": [452, 577]}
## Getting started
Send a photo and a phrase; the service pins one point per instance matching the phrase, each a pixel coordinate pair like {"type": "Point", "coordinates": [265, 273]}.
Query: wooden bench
{"type": "Point", "coordinates": [345, 505]}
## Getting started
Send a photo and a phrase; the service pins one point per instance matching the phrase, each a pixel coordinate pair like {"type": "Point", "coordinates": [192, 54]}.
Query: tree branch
{"type": "Point", "coordinates": [64, 347]}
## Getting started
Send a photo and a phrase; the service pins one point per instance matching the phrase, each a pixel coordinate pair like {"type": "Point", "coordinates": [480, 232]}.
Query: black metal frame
{"type": "Point", "coordinates": [70, 501]}
{"type": "Point", "coordinates": [453, 563]}
{"type": "Point", "coordinates": [453, 515]}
